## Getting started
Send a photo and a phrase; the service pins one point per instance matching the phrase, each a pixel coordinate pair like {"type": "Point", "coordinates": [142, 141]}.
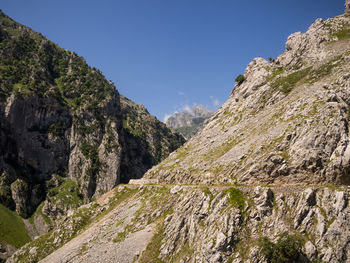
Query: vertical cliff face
{"type": "Point", "coordinates": [347, 7]}
{"type": "Point", "coordinates": [63, 135]}
{"type": "Point", "coordinates": [146, 141]}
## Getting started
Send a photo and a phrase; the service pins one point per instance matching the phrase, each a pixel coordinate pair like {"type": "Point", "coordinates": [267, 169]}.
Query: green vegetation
{"type": "Point", "coordinates": [121, 236]}
{"type": "Point", "coordinates": [67, 193]}
{"type": "Point", "coordinates": [240, 79]}
{"type": "Point", "coordinates": [286, 250]}
{"type": "Point", "coordinates": [324, 70]}
{"type": "Point", "coordinates": [91, 152]}
{"type": "Point", "coordinates": [287, 84]}
{"type": "Point", "coordinates": [12, 229]}
{"type": "Point", "coordinates": [39, 211]}
{"type": "Point", "coordinates": [275, 73]}
{"type": "Point", "coordinates": [343, 33]}
{"type": "Point", "coordinates": [56, 129]}
{"type": "Point", "coordinates": [237, 199]}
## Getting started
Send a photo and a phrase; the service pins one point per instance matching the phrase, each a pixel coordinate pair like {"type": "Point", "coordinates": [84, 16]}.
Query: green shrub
{"type": "Point", "coordinates": [237, 198]}
{"type": "Point", "coordinates": [239, 80]}
{"type": "Point", "coordinates": [56, 129]}
{"type": "Point", "coordinates": [286, 250]}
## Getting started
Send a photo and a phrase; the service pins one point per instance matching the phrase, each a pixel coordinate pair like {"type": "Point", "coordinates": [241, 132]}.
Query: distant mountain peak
{"type": "Point", "coordinates": [190, 121]}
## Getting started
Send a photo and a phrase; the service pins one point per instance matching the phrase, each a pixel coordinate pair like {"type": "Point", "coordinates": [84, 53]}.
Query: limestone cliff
{"type": "Point", "coordinates": [62, 134]}
{"type": "Point", "coordinates": [147, 140]}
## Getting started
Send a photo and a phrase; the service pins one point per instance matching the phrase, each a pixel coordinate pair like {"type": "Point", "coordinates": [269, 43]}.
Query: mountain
{"type": "Point", "coordinates": [147, 140]}
{"type": "Point", "coordinates": [266, 180]}
{"type": "Point", "coordinates": [67, 136]}
{"type": "Point", "coordinates": [286, 123]}
{"type": "Point", "coordinates": [189, 122]}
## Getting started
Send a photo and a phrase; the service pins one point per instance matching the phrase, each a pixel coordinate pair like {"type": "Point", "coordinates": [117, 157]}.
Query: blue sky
{"type": "Point", "coordinates": [170, 54]}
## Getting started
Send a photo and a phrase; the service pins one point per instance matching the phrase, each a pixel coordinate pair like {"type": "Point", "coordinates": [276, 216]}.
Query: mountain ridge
{"type": "Point", "coordinates": [257, 184]}
{"type": "Point", "coordinates": [189, 122]}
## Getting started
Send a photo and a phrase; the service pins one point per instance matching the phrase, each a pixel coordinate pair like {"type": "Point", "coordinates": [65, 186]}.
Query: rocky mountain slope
{"type": "Point", "coordinates": [202, 224]}
{"type": "Point", "coordinates": [190, 122]}
{"type": "Point", "coordinates": [257, 184]}
{"type": "Point", "coordinates": [66, 134]}
{"type": "Point", "coordinates": [287, 122]}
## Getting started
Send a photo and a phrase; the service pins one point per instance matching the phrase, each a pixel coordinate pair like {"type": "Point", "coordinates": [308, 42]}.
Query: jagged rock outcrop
{"type": "Point", "coordinates": [198, 224]}
{"type": "Point", "coordinates": [347, 7]}
{"type": "Point", "coordinates": [191, 121]}
{"type": "Point", "coordinates": [286, 123]}
{"type": "Point", "coordinates": [62, 140]}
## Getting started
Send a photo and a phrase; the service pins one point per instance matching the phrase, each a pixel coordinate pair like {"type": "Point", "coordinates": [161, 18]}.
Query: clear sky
{"type": "Point", "coordinates": [167, 54]}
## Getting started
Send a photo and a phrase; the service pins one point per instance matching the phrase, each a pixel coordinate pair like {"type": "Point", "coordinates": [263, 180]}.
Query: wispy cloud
{"type": "Point", "coordinates": [187, 108]}
{"type": "Point", "coordinates": [215, 101]}
{"type": "Point", "coordinates": [166, 117]}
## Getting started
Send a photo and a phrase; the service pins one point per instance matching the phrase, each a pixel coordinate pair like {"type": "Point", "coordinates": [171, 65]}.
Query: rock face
{"type": "Point", "coordinates": [347, 7]}
{"type": "Point", "coordinates": [286, 123]}
{"type": "Point", "coordinates": [146, 140]}
{"type": "Point", "coordinates": [62, 134]}
{"type": "Point", "coordinates": [190, 122]}
{"type": "Point", "coordinates": [196, 224]}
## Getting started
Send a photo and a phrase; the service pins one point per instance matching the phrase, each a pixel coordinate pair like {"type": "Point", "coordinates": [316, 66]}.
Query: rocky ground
{"type": "Point", "coordinates": [187, 223]}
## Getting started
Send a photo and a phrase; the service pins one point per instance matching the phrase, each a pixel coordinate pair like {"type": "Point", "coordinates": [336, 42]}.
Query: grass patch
{"type": "Point", "coordinates": [275, 73]}
{"type": "Point", "coordinates": [342, 34]}
{"type": "Point", "coordinates": [121, 236]}
{"type": "Point", "coordinates": [237, 199]}
{"type": "Point", "coordinates": [184, 253]}
{"type": "Point", "coordinates": [83, 249]}
{"type": "Point", "coordinates": [287, 84]}
{"type": "Point", "coordinates": [12, 229]}
{"type": "Point", "coordinates": [67, 193]}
